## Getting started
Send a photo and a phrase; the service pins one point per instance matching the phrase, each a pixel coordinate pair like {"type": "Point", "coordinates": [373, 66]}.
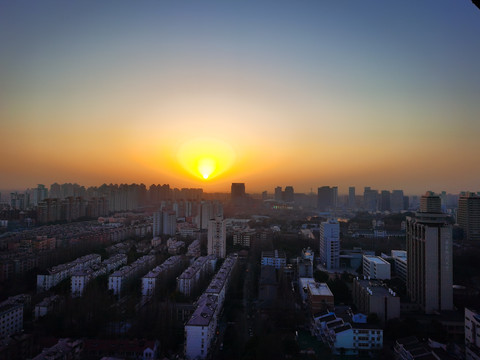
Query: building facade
{"type": "Point", "coordinates": [330, 244]}
{"type": "Point", "coordinates": [429, 252]}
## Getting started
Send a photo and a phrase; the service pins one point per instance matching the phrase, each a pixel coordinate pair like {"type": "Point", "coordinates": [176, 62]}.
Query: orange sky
{"type": "Point", "coordinates": [304, 96]}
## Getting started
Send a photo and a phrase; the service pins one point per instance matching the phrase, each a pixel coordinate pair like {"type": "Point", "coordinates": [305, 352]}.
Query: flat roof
{"type": "Point", "coordinates": [375, 259]}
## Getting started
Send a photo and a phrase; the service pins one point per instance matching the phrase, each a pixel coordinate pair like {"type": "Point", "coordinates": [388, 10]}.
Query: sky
{"type": "Point", "coordinates": [270, 93]}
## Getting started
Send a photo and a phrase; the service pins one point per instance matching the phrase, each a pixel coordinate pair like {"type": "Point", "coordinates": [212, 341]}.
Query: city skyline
{"type": "Point", "coordinates": [380, 95]}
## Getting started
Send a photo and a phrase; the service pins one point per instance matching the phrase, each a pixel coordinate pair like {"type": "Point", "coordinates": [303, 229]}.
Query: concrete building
{"type": "Point", "coordinates": [275, 258]}
{"type": "Point", "coordinates": [472, 334]}
{"type": "Point", "coordinates": [429, 252]}
{"type": "Point", "coordinates": [305, 264]}
{"type": "Point", "coordinates": [188, 281]}
{"type": "Point", "coordinates": [61, 272]}
{"type": "Point", "coordinates": [375, 267]}
{"type": "Point", "coordinates": [194, 249]}
{"type": "Point", "coordinates": [344, 337]}
{"type": "Point", "coordinates": [217, 237]}
{"type": "Point", "coordinates": [372, 296]}
{"type": "Point", "coordinates": [47, 305]}
{"type": "Point", "coordinates": [161, 274]}
{"type": "Point", "coordinates": [397, 201]}
{"type": "Point", "coordinates": [201, 328]}
{"type": "Point", "coordinates": [468, 216]}
{"type": "Point", "coordinates": [327, 198]}
{"type": "Point", "coordinates": [244, 237]}
{"type": "Point", "coordinates": [317, 296]}
{"type": "Point", "coordinates": [352, 202]}
{"type": "Point", "coordinates": [124, 276]}
{"type": "Point", "coordinates": [400, 263]}
{"type": "Point", "coordinates": [11, 318]}
{"type": "Point", "coordinates": [70, 349]}
{"type": "Point", "coordinates": [330, 244]}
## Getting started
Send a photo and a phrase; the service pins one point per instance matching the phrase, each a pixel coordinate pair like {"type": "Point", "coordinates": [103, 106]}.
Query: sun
{"type": "Point", "coordinates": [206, 158]}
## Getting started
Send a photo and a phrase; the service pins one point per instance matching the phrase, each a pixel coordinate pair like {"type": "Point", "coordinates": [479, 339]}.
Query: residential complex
{"type": "Point", "coordinates": [122, 277]}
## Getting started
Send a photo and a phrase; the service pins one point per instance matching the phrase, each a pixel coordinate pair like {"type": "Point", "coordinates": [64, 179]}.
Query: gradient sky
{"type": "Point", "coordinates": [304, 93]}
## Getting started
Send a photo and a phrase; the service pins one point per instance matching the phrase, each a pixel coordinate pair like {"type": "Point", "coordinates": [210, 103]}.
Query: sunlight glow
{"type": "Point", "coordinates": [206, 158]}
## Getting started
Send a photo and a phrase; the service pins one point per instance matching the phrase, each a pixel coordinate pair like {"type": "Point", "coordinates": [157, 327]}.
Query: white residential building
{"type": "Point", "coordinates": [194, 249]}
{"type": "Point", "coordinates": [341, 336]}
{"type": "Point", "coordinates": [169, 268]}
{"type": "Point", "coordinates": [81, 278]}
{"type": "Point", "coordinates": [120, 278]}
{"type": "Point", "coordinates": [201, 328]}
{"type": "Point", "coordinates": [217, 237]}
{"type": "Point", "coordinates": [188, 281]}
{"type": "Point", "coordinates": [46, 306]}
{"type": "Point", "coordinates": [11, 318]}
{"type": "Point", "coordinates": [472, 334]}
{"type": "Point", "coordinates": [61, 272]}
{"type": "Point", "coordinates": [330, 244]}
{"type": "Point", "coordinates": [375, 267]}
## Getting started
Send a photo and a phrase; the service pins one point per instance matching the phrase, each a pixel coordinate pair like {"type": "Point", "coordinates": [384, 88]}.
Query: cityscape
{"type": "Point", "coordinates": [248, 180]}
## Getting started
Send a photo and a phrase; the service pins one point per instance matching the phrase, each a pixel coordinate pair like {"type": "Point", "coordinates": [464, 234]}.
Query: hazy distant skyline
{"type": "Point", "coordinates": [305, 93]}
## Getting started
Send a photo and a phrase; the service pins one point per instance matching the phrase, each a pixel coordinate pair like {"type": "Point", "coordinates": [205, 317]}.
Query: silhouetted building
{"type": "Point", "coordinates": [351, 198]}
{"type": "Point", "coordinates": [327, 198]}
{"type": "Point", "coordinates": [385, 200]}
{"type": "Point", "coordinates": [288, 195]}
{"type": "Point", "coordinates": [396, 201]}
{"type": "Point", "coordinates": [429, 253]}
{"type": "Point", "coordinates": [468, 216]}
{"type": "Point", "coordinates": [237, 192]}
{"type": "Point", "coordinates": [217, 236]}
{"type": "Point", "coordinates": [278, 193]}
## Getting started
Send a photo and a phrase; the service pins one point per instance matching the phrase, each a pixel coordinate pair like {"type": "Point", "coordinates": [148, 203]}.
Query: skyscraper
{"type": "Point", "coordinates": [468, 216]}
{"type": "Point", "coordinates": [278, 193]}
{"type": "Point", "coordinates": [385, 200]}
{"type": "Point", "coordinates": [351, 198]}
{"type": "Point", "coordinates": [370, 199]}
{"type": "Point", "coordinates": [429, 254]}
{"type": "Point", "coordinates": [330, 244]}
{"type": "Point", "coordinates": [217, 235]}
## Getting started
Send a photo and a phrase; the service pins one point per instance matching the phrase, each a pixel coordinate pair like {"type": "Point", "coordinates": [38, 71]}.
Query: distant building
{"type": "Point", "coordinates": [330, 244]}
{"type": "Point", "coordinates": [275, 258]}
{"type": "Point", "coordinates": [472, 334]}
{"type": "Point", "coordinates": [370, 198]}
{"type": "Point", "coordinates": [468, 216]}
{"type": "Point", "coordinates": [244, 237]}
{"type": "Point", "coordinates": [352, 204]}
{"type": "Point", "coordinates": [429, 252]}
{"type": "Point", "coordinates": [375, 267]}
{"type": "Point", "coordinates": [305, 264]}
{"type": "Point", "coordinates": [288, 195]}
{"type": "Point", "coordinates": [217, 237]}
{"type": "Point", "coordinates": [397, 201]}
{"type": "Point", "coordinates": [327, 198]}
{"type": "Point", "coordinates": [237, 192]}
{"type": "Point", "coordinates": [385, 200]}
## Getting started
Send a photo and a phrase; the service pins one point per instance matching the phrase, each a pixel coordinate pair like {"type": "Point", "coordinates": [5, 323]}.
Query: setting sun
{"type": "Point", "coordinates": [206, 158]}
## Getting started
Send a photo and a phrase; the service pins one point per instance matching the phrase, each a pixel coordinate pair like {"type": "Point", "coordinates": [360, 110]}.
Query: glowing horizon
{"type": "Point", "coordinates": [269, 94]}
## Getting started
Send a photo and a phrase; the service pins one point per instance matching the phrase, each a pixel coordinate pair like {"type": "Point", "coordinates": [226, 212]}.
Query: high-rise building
{"type": "Point", "coordinates": [396, 201]}
{"type": "Point", "coordinates": [237, 192]}
{"type": "Point", "coordinates": [429, 253]}
{"type": "Point", "coordinates": [327, 198]}
{"type": "Point", "coordinates": [288, 195]}
{"type": "Point", "coordinates": [278, 193]}
{"type": "Point", "coordinates": [370, 199]}
{"type": "Point", "coordinates": [385, 200]}
{"type": "Point", "coordinates": [352, 204]}
{"type": "Point", "coordinates": [217, 236]}
{"type": "Point", "coordinates": [330, 244]}
{"type": "Point", "coordinates": [468, 216]}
